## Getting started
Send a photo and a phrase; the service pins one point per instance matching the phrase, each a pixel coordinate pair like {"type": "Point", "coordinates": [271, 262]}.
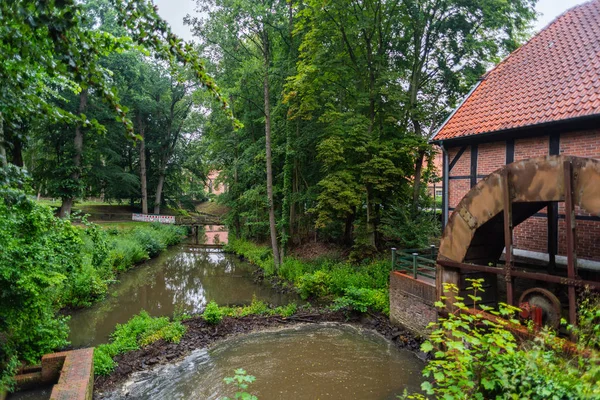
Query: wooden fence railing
{"type": "Point", "coordinates": [415, 262]}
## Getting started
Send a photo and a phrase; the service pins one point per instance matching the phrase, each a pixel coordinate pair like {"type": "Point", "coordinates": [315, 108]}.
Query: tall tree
{"type": "Point", "coordinates": [179, 98]}
{"type": "Point", "coordinates": [249, 27]}
{"type": "Point", "coordinates": [446, 46]}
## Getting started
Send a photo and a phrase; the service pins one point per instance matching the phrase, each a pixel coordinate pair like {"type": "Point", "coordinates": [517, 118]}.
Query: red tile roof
{"type": "Point", "coordinates": [553, 77]}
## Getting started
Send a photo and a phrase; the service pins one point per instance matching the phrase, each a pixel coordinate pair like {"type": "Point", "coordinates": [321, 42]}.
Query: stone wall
{"type": "Point", "coordinates": [411, 302]}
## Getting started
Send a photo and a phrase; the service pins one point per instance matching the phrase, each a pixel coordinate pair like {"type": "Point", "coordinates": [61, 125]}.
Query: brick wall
{"type": "Point", "coordinates": [582, 144]}
{"type": "Point", "coordinates": [490, 157]}
{"type": "Point", "coordinates": [458, 188]}
{"type": "Point", "coordinates": [463, 165]}
{"type": "Point", "coordinates": [533, 147]}
{"type": "Point", "coordinates": [411, 302]}
{"type": "Point", "coordinates": [531, 234]}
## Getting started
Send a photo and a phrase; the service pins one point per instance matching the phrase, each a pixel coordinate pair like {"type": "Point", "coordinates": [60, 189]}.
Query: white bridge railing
{"type": "Point", "coordinates": [163, 219]}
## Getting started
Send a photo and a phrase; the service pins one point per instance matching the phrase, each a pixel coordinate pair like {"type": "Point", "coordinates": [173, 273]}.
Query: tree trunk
{"type": "Point", "coordinates": [67, 202]}
{"type": "Point", "coordinates": [293, 230]}
{"type": "Point", "coordinates": [3, 160]}
{"type": "Point", "coordinates": [143, 183]}
{"type": "Point", "coordinates": [417, 183]}
{"type": "Point", "coordinates": [272, 226]}
{"type": "Point", "coordinates": [418, 165]}
{"type": "Point", "coordinates": [16, 147]}
{"type": "Point", "coordinates": [17, 152]}
{"type": "Point", "coordinates": [159, 188]}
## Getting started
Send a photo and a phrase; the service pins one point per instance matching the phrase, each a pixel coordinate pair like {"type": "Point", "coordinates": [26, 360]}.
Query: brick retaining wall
{"type": "Point", "coordinates": [411, 302]}
{"type": "Point", "coordinates": [72, 373]}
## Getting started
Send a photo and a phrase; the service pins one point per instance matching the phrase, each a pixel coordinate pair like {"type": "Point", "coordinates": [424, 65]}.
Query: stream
{"type": "Point", "coordinates": [320, 361]}
{"type": "Point", "coordinates": [329, 361]}
{"type": "Point", "coordinates": [183, 279]}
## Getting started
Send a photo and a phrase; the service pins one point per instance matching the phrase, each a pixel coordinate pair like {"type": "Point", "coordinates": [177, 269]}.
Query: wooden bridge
{"type": "Point", "coordinates": [199, 219]}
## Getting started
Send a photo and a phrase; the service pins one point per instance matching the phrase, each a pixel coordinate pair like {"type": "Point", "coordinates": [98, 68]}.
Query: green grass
{"type": "Point", "coordinates": [142, 330]}
{"type": "Point", "coordinates": [344, 283]}
{"type": "Point", "coordinates": [213, 313]}
{"type": "Point", "coordinates": [139, 331]}
{"type": "Point", "coordinates": [122, 225]}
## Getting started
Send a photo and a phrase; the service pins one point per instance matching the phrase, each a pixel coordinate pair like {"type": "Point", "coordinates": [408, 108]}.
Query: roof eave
{"type": "Point", "coordinates": [535, 130]}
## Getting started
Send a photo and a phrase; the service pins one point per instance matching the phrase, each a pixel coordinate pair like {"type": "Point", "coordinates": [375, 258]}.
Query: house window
{"type": "Point", "coordinates": [438, 192]}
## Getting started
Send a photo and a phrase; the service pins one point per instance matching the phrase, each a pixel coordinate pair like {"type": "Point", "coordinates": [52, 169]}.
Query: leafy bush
{"type": "Point", "coordinates": [363, 299]}
{"type": "Point", "coordinates": [150, 240]}
{"type": "Point", "coordinates": [139, 331]}
{"type": "Point", "coordinates": [285, 311]}
{"type": "Point", "coordinates": [126, 252]}
{"type": "Point", "coordinates": [314, 285]}
{"type": "Point", "coordinates": [407, 229]}
{"type": "Point", "coordinates": [344, 276]}
{"type": "Point", "coordinates": [212, 314]}
{"type": "Point", "coordinates": [327, 278]}
{"type": "Point", "coordinates": [39, 254]}
{"type": "Point", "coordinates": [258, 307]}
{"type": "Point", "coordinates": [47, 263]}
{"type": "Point", "coordinates": [86, 286]}
{"type": "Point", "coordinates": [479, 359]}
{"type": "Point", "coordinates": [8, 364]}
{"type": "Point", "coordinates": [291, 269]}
{"type": "Point", "coordinates": [260, 256]}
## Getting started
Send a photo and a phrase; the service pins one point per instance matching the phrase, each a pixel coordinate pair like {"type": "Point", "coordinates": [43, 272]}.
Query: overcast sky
{"type": "Point", "coordinates": [174, 11]}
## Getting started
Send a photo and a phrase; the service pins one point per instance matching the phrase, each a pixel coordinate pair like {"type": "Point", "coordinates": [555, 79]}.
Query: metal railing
{"type": "Point", "coordinates": [415, 262]}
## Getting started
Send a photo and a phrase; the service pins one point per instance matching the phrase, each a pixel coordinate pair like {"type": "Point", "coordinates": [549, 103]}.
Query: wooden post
{"type": "Point", "coordinates": [571, 244]}
{"type": "Point", "coordinates": [552, 235]}
{"type": "Point", "coordinates": [434, 201]}
{"type": "Point", "coordinates": [414, 255]}
{"type": "Point", "coordinates": [508, 239]}
{"type": "Point", "coordinates": [393, 258]}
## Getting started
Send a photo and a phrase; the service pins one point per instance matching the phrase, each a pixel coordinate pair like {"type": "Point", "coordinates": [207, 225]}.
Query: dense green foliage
{"type": "Point", "coordinates": [480, 359]}
{"type": "Point", "coordinates": [345, 95]}
{"type": "Point", "coordinates": [139, 331]}
{"type": "Point", "coordinates": [70, 67]}
{"type": "Point", "coordinates": [355, 286]}
{"type": "Point", "coordinates": [48, 263]}
{"type": "Point", "coordinates": [213, 313]}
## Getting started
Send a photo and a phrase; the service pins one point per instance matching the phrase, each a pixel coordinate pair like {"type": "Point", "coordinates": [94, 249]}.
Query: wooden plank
{"type": "Point", "coordinates": [508, 238]}
{"type": "Point", "coordinates": [571, 244]}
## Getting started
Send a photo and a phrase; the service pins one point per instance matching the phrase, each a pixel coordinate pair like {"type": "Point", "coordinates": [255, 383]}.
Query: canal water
{"type": "Point", "coordinates": [336, 362]}
{"type": "Point", "coordinates": [183, 279]}
{"type": "Point", "coordinates": [321, 361]}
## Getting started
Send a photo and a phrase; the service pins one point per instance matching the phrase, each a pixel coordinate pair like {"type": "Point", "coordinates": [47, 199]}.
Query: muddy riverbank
{"type": "Point", "coordinates": [201, 335]}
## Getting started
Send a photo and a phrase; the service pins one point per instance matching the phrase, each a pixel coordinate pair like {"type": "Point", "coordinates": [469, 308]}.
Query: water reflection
{"type": "Point", "coordinates": [183, 279]}
{"type": "Point", "coordinates": [309, 362]}
{"type": "Point", "coordinates": [215, 234]}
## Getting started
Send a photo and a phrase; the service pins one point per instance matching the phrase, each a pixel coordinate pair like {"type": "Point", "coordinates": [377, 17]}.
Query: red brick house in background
{"type": "Point", "coordinates": [543, 99]}
{"type": "Point", "coordinates": [212, 183]}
